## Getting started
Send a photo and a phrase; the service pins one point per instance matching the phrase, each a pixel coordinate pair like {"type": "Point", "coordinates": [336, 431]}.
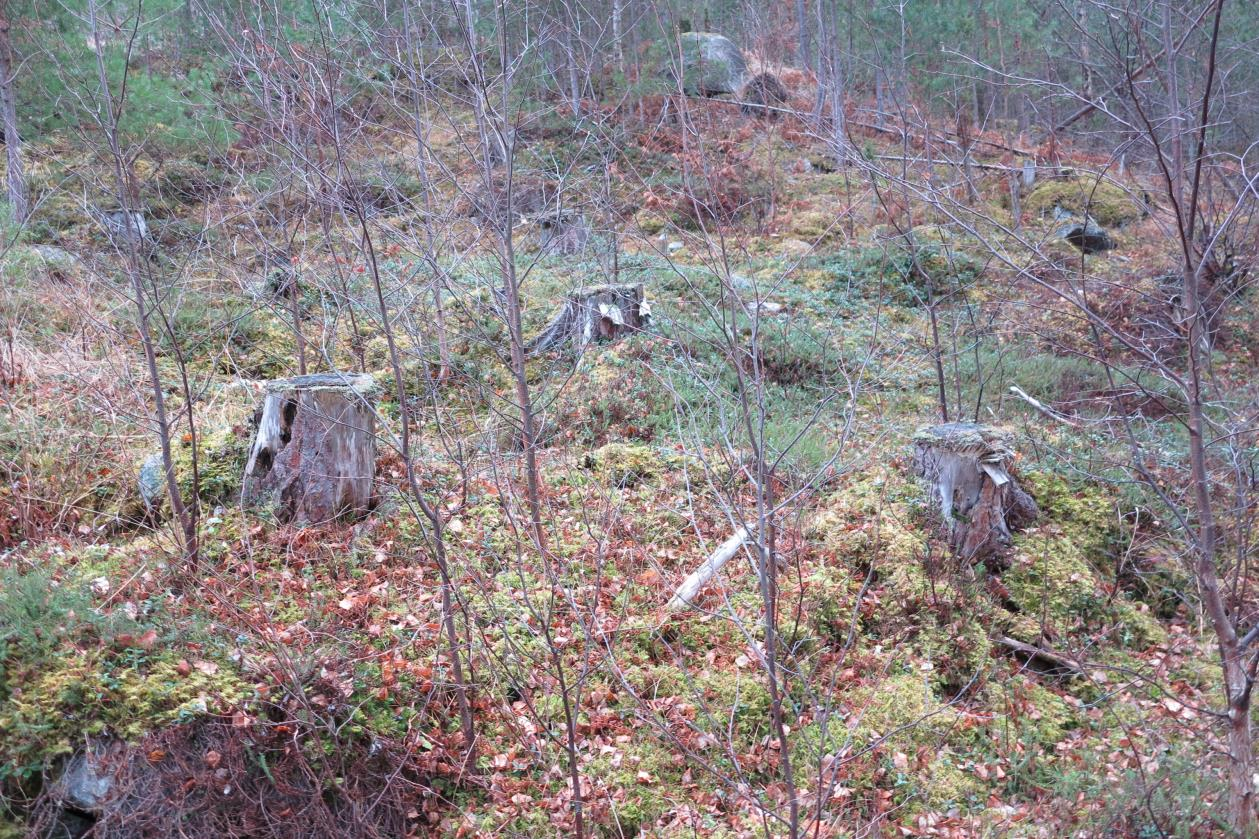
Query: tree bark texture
{"type": "Point", "coordinates": [970, 470]}
{"type": "Point", "coordinates": [313, 457]}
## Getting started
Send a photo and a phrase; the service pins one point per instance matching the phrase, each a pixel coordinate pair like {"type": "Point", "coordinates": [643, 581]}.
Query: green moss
{"type": "Point", "coordinates": [900, 710]}
{"type": "Point", "coordinates": [650, 223]}
{"type": "Point", "coordinates": [638, 799]}
{"type": "Point", "coordinates": [728, 701]}
{"type": "Point", "coordinates": [624, 464]}
{"type": "Point", "coordinates": [868, 521]}
{"type": "Point", "coordinates": [1047, 717]}
{"type": "Point", "coordinates": [829, 595]}
{"type": "Point", "coordinates": [1051, 579]}
{"type": "Point", "coordinates": [221, 457]}
{"type": "Point", "coordinates": [1054, 577]}
{"type": "Point", "coordinates": [888, 726]}
{"type": "Point", "coordinates": [814, 226]}
{"type": "Point", "coordinates": [54, 702]}
{"type": "Point", "coordinates": [1109, 204]}
{"type": "Point", "coordinates": [946, 784]}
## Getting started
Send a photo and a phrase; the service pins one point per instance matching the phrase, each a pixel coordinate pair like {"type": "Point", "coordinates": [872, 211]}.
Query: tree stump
{"type": "Point", "coordinates": [313, 458]}
{"type": "Point", "coordinates": [563, 232]}
{"type": "Point", "coordinates": [970, 469]}
{"type": "Point", "coordinates": [595, 313]}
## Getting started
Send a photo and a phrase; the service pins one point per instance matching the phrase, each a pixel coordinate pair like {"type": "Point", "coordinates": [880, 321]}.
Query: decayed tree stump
{"type": "Point", "coordinates": [563, 232]}
{"type": "Point", "coordinates": [594, 313]}
{"type": "Point", "coordinates": [314, 455]}
{"type": "Point", "coordinates": [970, 470]}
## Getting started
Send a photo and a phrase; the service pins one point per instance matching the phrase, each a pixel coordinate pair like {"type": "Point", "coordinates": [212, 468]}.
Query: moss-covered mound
{"type": "Point", "coordinates": [1109, 204]}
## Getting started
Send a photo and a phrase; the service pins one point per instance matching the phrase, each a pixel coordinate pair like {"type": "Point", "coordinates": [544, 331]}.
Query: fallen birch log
{"type": "Point", "coordinates": [691, 586]}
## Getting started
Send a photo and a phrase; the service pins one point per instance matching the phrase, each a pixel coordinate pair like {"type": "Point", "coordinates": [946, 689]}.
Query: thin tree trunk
{"type": "Point", "coordinates": [133, 257]}
{"type": "Point", "coordinates": [15, 178]}
{"type": "Point", "coordinates": [802, 35]}
{"type": "Point", "coordinates": [1238, 676]}
{"type": "Point", "coordinates": [617, 47]}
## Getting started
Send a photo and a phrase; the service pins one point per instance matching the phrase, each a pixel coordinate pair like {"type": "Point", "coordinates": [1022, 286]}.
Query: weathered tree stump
{"type": "Point", "coordinates": [313, 458]}
{"type": "Point", "coordinates": [595, 313]}
{"type": "Point", "coordinates": [564, 232]}
{"type": "Point", "coordinates": [761, 95]}
{"type": "Point", "coordinates": [970, 470]}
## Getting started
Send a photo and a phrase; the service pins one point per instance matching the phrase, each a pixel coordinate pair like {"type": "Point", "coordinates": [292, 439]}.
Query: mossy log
{"type": "Point", "coordinates": [970, 469]}
{"type": "Point", "coordinates": [594, 313]}
{"type": "Point", "coordinates": [313, 457]}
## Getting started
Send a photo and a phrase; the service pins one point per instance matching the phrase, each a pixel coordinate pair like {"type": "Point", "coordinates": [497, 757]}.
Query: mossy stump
{"type": "Point", "coordinates": [313, 457]}
{"type": "Point", "coordinates": [970, 469]}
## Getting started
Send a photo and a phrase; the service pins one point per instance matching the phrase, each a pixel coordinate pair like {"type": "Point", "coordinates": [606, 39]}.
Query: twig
{"type": "Point", "coordinates": [1042, 407]}
{"type": "Point", "coordinates": [1056, 659]}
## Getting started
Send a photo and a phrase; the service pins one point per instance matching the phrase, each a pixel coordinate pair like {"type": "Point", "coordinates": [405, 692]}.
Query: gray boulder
{"type": "Point", "coordinates": [1086, 234]}
{"type": "Point", "coordinates": [152, 482]}
{"type": "Point", "coordinates": [711, 64]}
{"type": "Point", "coordinates": [57, 263]}
{"type": "Point", "coordinates": [88, 778]}
{"type": "Point", "coordinates": [122, 225]}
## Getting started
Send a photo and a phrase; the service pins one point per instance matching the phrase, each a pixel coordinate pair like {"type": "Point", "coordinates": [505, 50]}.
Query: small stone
{"type": "Point", "coordinates": [152, 482]}
{"type": "Point", "coordinates": [87, 780]}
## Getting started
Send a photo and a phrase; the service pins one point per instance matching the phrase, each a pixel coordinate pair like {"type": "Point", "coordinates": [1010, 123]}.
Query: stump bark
{"type": "Point", "coordinates": [313, 458]}
{"type": "Point", "coordinates": [970, 469]}
{"type": "Point", "coordinates": [563, 232]}
{"type": "Point", "coordinates": [595, 313]}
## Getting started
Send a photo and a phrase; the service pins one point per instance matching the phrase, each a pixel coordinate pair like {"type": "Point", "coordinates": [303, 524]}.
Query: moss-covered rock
{"type": "Point", "coordinates": [221, 457]}
{"type": "Point", "coordinates": [814, 226]}
{"type": "Point", "coordinates": [1109, 204]}
{"type": "Point", "coordinates": [67, 672]}
{"type": "Point", "coordinates": [624, 464]}
{"type": "Point", "coordinates": [649, 222]}
{"type": "Point", "coordinates": [711, 64]}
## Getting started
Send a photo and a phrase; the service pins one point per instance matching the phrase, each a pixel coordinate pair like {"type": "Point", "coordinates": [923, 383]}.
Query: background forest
{"type": "Point", "coordinates": [374, 373]}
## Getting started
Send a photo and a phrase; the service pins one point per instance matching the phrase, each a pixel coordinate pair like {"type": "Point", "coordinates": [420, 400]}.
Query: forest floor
{"type": "Point", "coordinates": [301, 674]}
